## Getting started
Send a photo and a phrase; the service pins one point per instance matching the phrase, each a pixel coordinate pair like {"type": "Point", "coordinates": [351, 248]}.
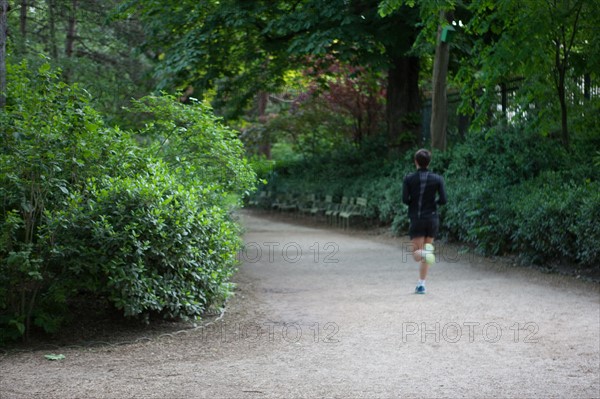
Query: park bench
{"type": "Point", "coordinates": [278, 201]}
{"type": "Point", "coordinates": [357, 211]}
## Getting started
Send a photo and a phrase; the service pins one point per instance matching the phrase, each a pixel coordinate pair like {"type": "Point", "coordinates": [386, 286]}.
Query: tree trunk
{"type": "Point", "coordinates": [52, 48]}
{"type": "Point", "coordinates": [403, 105]}
{"type": "Point", "coordinates": [587, 83]}
{"type": "Point", "coordinates": [563, 109]}
{"type": "Point", "coordinates": [71, 29]}
{"type": "Point", "coordinates": [23, 18]}
{"type": "Point", "coordinates": [70, 41]}
{"type": "Point", "coordinates": [560, 74]}
{"type": "Point", "coordinates": [564, 45]}
{"type": "Point", "coordinates": [439, 100]}
{"type": "Point", "coordinates": [463, 125]}
{"type": "Point", "coordinates": [3, 34]}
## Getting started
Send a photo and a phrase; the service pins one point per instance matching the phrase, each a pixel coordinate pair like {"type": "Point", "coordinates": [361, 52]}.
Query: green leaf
{"type": "Point", "coordinates": [92, 127]}
{"type": "Point", "coordinates": [44, 68]}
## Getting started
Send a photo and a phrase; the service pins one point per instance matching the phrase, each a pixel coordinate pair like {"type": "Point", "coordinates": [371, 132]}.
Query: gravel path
{"type": "Point", "coordinates": [320, 313]}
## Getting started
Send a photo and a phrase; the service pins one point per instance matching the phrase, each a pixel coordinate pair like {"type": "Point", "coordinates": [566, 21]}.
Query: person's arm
{"type": "Point", "coordinates": [442, 192]}
{"type": "Point", "coordinates": [405, 191]}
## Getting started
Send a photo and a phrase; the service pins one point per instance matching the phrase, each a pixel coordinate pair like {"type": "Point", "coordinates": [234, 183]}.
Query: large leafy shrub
{"type": "Point", "coordinates": [555, 218]}
{"type": "Point", "coordinates": [52, 142]}
{"type": "Point", "coordinates": [141, 219]}
{"type": "Point", "coordinates": [512, 190]}
{"type": "Point", "coordinates": [147, 243]}
{"type": "Point", "coordinates": [478, 212]}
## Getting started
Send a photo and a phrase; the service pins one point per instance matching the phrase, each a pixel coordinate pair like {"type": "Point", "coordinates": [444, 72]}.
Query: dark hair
{"type": "Point", "coordinates": [423, 157]}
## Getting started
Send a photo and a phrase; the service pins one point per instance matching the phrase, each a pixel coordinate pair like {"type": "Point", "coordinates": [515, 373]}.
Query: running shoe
{"type": "Point", "coordinates": [420, 289]}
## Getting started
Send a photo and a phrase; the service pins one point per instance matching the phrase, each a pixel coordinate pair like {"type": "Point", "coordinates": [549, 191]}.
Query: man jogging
{"type": "Point", "coordinates": [423, 191]}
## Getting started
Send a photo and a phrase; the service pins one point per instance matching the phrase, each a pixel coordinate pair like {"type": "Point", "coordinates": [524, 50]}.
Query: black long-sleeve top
{"type": "Point", "coordinates": [419, 192]}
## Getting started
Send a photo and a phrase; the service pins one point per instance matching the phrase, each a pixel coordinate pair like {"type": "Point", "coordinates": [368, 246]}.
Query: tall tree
{"type": "Point", "coordinates": [3, 36]}
{"type": "Point", "coordinates": [435, 17]}
{"type": "Point", "coordinates": [439, 100]}
{"type": "Point", "coordinates": [71, 29]}
{"type": "Point", "coordinates": [537, 41]}
{"type": "Point", "coordinates": [355, 32]}
{"type": "Point", "coordinates": [354, 92]}
{"type": "Point", "coordinates": [70, 38]}
{"type": "Point", "coordinates": [23, 18]}
{"type": "Point", "coordinates": [568, 15]}
{"type": "Point", "coordinates": [51, 7]}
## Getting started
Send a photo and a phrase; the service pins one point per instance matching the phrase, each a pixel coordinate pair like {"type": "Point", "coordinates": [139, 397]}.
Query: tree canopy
{"type": "Point", "coordinates": [238, 48]}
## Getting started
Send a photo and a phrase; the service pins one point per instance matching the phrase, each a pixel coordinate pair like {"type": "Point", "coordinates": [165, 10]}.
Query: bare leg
{"type": "Point", "coordinates": [417, 245]}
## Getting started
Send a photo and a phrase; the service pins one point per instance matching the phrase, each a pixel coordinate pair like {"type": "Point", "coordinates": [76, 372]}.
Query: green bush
{"type": "Point", "coordinates": [511, 190]}
{"type": "Point", "coordinates": [86, 210]}
{"type": "Point", "coordinates": [507, 154]}
{"type": "Point", "coordinates": [147, 243]}
{"type": "Point", "coordinates": [52, 142]}
{"type": "Point", "coordinates": [555, 218]}
{"type": "Point", "coordinates": [195, 144]}
{"type": "Point", "coordinates": [478, 213]}
{"type": "Point", "coordinates": [587, 228]}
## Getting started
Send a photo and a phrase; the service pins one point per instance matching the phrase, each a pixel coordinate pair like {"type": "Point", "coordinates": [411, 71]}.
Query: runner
{"type": "Point", "coordinates": [419, 192]}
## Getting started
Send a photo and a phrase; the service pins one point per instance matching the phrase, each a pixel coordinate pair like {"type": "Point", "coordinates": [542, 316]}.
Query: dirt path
{"type": "Point", "coordinates": [319, 313]}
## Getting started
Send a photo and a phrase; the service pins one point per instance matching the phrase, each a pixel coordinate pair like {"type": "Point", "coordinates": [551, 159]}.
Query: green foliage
{"type": "Point", "coordinates": [555, 217]}
{"type": "Point", "coordinates": [239, 48]}
{"type": "Point", "coordinates": [89, 47]}
{"type": "Point", "coordinates": [147, 243]}
{"type": "Point", "coordinates": [86, 211]}
{"type": "Point", "coordinates": [195, 143]}
{"type": "Point", "coordinates": [262, 166]}
{"type": "Point", "coordinates": [52, 141]}
{"type": "Point", "coordinates": [510, 190]}
{"type": "Point", "coordinates": [312, 130]}
{"type": "Point", "coordinates": [508, 153]}
{"type": "Point", "coordinates": [479, 213]}
{"type": "Point", "coordinates": [211, 45]}
{"type": "Point", "coordinates": [560, 48]}
{"type": "Point", "coordinates": [365, 173]}
{"type": "Point", "coordinates": [514, 191]}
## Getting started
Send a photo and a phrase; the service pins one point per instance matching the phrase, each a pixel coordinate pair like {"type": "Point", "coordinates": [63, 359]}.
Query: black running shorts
{"type": "Point", "coordinates": [424, 227]}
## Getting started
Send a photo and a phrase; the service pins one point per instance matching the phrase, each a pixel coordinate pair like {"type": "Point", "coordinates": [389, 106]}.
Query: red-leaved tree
{"type": "Point", "coordinates": [353, 91]}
